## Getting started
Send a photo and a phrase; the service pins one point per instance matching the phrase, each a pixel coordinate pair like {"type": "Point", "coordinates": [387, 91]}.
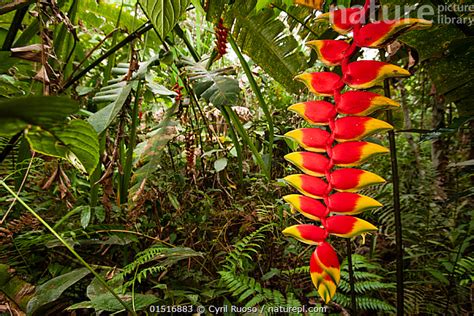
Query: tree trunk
{"type": "Point", "coordinates": [439, 156]}
{"type": "Point", "coordinates": [415, 148]}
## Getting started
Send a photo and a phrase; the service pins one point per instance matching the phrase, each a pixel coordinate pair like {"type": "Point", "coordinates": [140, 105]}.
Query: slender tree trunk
{"type": "Point", "coordinates": [439, 156]}
{"type": "Point", "coordinates": [415, 148]}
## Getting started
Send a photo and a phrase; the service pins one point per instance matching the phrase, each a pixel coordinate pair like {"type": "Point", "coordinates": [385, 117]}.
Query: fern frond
{"type": "Point", "coordinates": [365, 286]}
{"type": "Point", "coordinates": [160, 257]}
{"type": "Point", "coordinates": [245, 248]}
{"type": "Point", "coordinates": [364, 303]}
{"type": "Point", "coordinates": [298, 270]}
{"type": "Point", "coordinates": [361, 276]}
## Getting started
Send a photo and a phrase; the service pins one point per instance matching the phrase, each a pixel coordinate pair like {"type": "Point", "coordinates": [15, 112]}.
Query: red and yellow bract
{"type": "Point", "coordinates": [327, 195]}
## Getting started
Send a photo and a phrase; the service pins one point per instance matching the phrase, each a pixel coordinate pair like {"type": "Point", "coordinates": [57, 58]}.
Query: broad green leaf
{"type": "Point", "coordinates": [99, 213]}
{"type": "Point", "coordinates": [77, 142]}
{"type": "Point", "coordinates": [262, 4]}
{"type": "Point", "coordinates": [85, 216]}
{"type": "Point", "coordinates": [214, 86]}
{"type": "Point", "coordinates": [100, 14]}
{"type": "Point", "coordinates": [214, 9]}
{"type": "Point", "coordinates": [261, 35]}
{"type": "Point", "coordinates": [158, 89]}
{"type": "Point", "coordinates": [6, 61]}
{"type": "Point", "coordinates": [149, 153]}
{"type": "Point", "coordinates": [104, 117]}
{"type": "Point", "coordinates": [96, 288]}
{"type": "Point", "coordinates": [164, 14]}
{"type": "Point", "coordinates": [220, 164]}
{"type": "Point", "coordinates": [52, 290]}
{"type": "Point", "coordinates": [17, 114]}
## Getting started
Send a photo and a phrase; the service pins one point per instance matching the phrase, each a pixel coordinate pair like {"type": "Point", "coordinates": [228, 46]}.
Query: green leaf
{"type": "Point", "coordinates": [52, 290]}
{"type": "Point", "coordinates": [261, 35]}
{"type": "Point", "coordinates": [96, 288]}
{"type": "Point", "coordinates": [164, 14]}
{"type": "Point", "coordinates": [174, 201]}
{"type": "Point", "coordinates": [262, 4]}
{"type": "Point", "coordinates": [149, 153]}
{"type": "Point", "coordinates": [159, 89]}
{"type": "Point", "coordinates": [214, 9]}
{"type": "Point", "coordinates": [220, 164]}
{"type": "Point", "coordinates": [214, 86]}
{"type": "Point", "coordinates": [85, 216]}
{"type": "Point", "coordinates": [99, 213]}
{"type": "Point", "coordinates": [77, 142]}
{"type": "Point", "coordinates": [118, 93]}
{"type": "Point", "coordinates": [17, 114]}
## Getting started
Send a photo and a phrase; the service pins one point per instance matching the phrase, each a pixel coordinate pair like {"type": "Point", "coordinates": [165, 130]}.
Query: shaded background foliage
{"type": "Point", "coordinates": [178, 203]}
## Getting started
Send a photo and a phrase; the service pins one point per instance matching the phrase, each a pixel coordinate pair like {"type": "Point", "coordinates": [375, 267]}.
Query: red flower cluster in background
{"type": "Point", "coordinates": [179, 95]}
{"type": "Point", "coordinates": [221, 38]}
{"type": "Point", "coordinates": [329, 195]}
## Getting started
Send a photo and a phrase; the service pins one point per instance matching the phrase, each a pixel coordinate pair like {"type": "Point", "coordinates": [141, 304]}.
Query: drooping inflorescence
{"type": "Point", "coordinates": [327, 186]}
{"type": "Point", "coordinates": [221, 38]}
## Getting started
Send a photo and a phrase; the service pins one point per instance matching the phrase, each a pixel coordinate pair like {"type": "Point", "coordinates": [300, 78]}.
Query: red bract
{"type": "Point", "coordinates": [353, 179]}
{"type": "Point", "coordinates": [315, 112]}
{"type": "Point", "coordinates": [365, 74]}
{"type": "Point", "coordinates": [320, 181]}
{"type": "Point", "coordinates": [347, 226]}
{"type": "Point", "coordinates": [221, 38]}
{"type": "Point", "coordinates": [311, 139]}
{"type": "Point", "coordinates": [350, 203]}
{"type": "Point", "coordinates": [381, 33]}
{"type": "Point", "coordinates": [310, 163]}
{"type": "Point", "coordinates": [361, 103]}
{"type": "Point", "coordinates": [343, 20]}
{"type": "Point", "coordinates": [307, 233]}
{"type": "Point", "coordinates": [357, 127]}
{"type": "Point", "coordinates": [352, 154]}
{"type": "Point", "coordinates": [311, 208]}
{"type": "Point", "coordinates": [321, 83]}
{"type": "Point", "coordinates": [330, 52]}
{"type": "Point", "coordinates": [308, 185]}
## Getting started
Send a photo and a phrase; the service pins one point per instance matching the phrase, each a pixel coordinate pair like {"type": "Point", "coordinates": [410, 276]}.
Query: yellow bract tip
{"type": "Point", "coordinates": [365, 203]}
{"type": "Point", "coordinates": [298, 108]}
{"type": "Point", "coordinates": [292, 231]}
{"type": "Point", "coordinates": [384, 102]}
{"type": "Point", "coordinates": [294, 157]}
{"type": "Point", "coordinates": [305, 78]}
{"type": "Point", "coordinates": [316, 44]}
{"type": "Point", "coordinates": [291, 198]}
{"type": "Point", "coordinates": [374, 126]}
{"type": "Point", "coordinates": [294, 134]}
{"type": "Point", "coordinates": [389, 71]}
{"type": "Point", "coordinates": [369, 178]}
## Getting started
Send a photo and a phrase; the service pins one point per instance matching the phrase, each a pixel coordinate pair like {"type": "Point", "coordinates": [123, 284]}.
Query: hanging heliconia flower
{"type": "Point", "coordinates": [221, 38]}
{"type": "Point", "coordinates": [328, 195]}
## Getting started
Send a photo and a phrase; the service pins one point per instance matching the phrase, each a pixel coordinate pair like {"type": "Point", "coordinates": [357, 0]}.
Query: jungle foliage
{"type": "Point", "coordinates": [139, 166]}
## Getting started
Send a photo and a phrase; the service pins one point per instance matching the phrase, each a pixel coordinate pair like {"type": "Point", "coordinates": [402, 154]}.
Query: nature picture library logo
{"type": "Point", "coordinates": [463, 14]}
{"type": "Point", "coordinates": [441, 14]}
